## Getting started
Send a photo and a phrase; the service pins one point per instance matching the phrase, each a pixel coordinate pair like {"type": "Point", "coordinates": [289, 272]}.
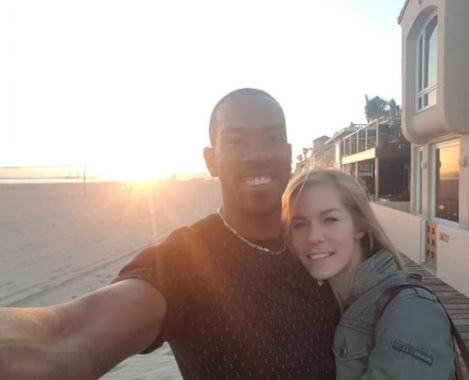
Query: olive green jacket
{"type": "Point", "coordinates": [413, 339]}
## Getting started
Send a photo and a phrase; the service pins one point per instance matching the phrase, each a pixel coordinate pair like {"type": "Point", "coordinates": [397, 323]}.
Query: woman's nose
{"type": "Point", "coordinates": [315, 235]}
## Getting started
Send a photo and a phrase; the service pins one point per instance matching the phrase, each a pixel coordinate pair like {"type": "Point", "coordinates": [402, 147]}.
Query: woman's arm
{"type": "Point", "coordinates": [413, 340]}
{"type": "Point", "coordinates": [81, 339]}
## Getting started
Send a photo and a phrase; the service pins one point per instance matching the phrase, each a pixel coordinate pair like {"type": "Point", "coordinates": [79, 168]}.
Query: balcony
{"type": "Point", "coordinates": [381, 135]}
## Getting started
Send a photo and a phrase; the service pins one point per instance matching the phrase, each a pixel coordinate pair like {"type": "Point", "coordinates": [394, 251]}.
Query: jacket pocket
{"type": "Point", "coordinates": [351, 342]}
{"type": "Point", "coordinates": [351, 350]}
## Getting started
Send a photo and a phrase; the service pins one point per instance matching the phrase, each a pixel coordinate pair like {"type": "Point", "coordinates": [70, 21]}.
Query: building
{"type": "Point", "coordinates": [336, 142]}
{"type": "Point", "coordinates": [435, 119]}
{"type": "Point", "coordinates": [322, 154]}
{"type": "Point", "coordinates": [378, 155]}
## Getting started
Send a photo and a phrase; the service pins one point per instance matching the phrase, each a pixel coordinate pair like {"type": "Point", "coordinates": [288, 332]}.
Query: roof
{"type": "Point", "coordinates": [321, 138]}
{"type": "Point", "coordinates": [401, 15]}
{"type": "Point", "coordinates": [320, 141]}
{"type": "Point", "coordinates": [344, 131]}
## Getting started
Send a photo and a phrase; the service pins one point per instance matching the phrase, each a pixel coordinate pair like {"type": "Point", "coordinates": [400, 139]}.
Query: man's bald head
{"type": "Point", "coordinates": [246, 96]}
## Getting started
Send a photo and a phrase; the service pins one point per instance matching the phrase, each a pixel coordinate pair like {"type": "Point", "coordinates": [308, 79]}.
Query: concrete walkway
{"type": "Point", "coordinates": [455, 303]}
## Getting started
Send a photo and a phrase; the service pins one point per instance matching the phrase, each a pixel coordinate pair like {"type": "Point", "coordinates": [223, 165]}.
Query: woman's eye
{"type": "Point", "coordinates": [331, 219]}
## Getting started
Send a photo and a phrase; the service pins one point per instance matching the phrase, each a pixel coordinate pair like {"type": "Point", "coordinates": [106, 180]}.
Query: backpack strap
{"type": "Point", "coordinates": [390, 293]}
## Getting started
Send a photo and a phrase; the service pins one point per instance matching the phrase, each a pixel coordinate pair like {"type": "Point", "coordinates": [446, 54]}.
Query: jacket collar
{"type": "Point", "coordinates": [372, 272]}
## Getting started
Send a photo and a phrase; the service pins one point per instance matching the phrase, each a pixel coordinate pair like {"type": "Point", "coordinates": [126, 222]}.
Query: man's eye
{"type": "Point", "coordinates": [276, 140]}
{"type": "Point", "coordinates": [331, 219]}
{"type": "Point", "coordinates": [233, 142]}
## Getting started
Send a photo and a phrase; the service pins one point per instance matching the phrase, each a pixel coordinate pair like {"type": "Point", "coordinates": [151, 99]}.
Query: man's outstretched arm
{"type": "Point", "coordinates": [81, 339]}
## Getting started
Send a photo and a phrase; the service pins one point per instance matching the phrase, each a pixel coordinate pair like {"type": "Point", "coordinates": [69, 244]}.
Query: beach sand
{"type": "Point", "coordinates": [58, 243]}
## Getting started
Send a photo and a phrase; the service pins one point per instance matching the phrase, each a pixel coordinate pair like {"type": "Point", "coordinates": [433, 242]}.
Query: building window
{"type": "Point", "coordinates": [447, 181]}
{"type": "Point", "coordinates": [427, 63]}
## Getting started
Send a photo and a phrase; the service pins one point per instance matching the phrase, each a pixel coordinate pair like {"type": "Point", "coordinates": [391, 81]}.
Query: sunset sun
{"type": "Point", "coordinates": [136, 170]}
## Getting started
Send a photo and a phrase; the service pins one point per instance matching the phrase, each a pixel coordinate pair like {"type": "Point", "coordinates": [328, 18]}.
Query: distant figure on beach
{"type": "Point", "coordinates": [226, 293]}
{"type": "Point", "coordinates": [333, 231]}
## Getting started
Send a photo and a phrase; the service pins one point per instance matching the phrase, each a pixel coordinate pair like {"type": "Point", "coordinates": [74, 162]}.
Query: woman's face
{"type": "Point", "coordinates": [324, 235]}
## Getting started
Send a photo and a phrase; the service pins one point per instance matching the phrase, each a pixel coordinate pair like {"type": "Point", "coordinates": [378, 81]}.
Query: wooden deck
{"type": "Point", "coordinates": [455, 303]}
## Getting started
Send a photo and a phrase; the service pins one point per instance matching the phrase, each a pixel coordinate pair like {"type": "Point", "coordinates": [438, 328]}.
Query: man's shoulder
{"type": "Point", "coordinates": [182, 248]}
{"type": "Point", "coordinates": [206, 225]}
{"type": "Point", "coordinates": [186, 238]}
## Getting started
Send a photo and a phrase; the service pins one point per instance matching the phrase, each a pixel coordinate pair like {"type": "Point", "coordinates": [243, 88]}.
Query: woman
{"type": "Point", "coordinates": [331, 228]}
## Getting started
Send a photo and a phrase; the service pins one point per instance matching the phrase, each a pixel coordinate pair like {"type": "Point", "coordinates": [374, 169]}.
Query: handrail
{"type": "Point", "coordinates": [355, 143]}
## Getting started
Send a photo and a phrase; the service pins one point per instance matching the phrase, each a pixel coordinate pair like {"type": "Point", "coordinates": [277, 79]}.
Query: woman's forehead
{"type": "Point", "coordinates": [321, 198]}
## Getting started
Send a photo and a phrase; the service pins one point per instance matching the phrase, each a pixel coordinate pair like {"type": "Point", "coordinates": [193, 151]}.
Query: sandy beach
{"type": "Point", "coordinates": [57, 243]}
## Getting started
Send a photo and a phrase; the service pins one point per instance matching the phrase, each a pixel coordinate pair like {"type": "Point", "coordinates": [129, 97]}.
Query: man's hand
{"type": "Point", "coordinates": [82, 339]}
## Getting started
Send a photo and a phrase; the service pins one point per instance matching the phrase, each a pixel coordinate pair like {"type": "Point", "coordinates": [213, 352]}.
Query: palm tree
{"type": "Point", "coordinates": [376, 107]}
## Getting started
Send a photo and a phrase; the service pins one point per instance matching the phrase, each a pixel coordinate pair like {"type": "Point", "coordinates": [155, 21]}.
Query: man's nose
{"type": "Point", "coordinates": [257, 152]}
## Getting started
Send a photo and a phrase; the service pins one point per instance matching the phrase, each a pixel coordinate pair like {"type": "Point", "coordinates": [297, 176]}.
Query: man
{"type": "Point", "coordinates": [225, 293]}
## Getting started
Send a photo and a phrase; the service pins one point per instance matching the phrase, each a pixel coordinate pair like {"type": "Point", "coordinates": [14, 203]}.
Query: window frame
{"type": "Point", "coordinates": [421, 66]}
{"type": "Point", "coordinates": [419, 181]}
{"type": "Point", "coordinates": [434, 218]}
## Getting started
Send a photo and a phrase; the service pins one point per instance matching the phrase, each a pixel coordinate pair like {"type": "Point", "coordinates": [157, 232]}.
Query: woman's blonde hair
{"type": "Point", "coordinates": [353, 197]}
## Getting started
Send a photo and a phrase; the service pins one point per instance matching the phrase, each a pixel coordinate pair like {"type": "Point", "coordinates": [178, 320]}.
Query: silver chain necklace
{"type": "Point", "coordinates": [246, 241]}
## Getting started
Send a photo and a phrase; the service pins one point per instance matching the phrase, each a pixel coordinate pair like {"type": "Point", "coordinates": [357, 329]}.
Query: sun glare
{"type": "Point", "coordinates": [139, 173]}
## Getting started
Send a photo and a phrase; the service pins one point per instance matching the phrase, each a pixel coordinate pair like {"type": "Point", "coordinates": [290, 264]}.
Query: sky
{"type": "Point", "coordinates": [127, 87]}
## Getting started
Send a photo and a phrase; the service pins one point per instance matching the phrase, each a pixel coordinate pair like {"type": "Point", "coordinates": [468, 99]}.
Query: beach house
{"type": "Point", "coordinates": [377, 154]}
{"type": "Point", "coordinates": [435, 119]}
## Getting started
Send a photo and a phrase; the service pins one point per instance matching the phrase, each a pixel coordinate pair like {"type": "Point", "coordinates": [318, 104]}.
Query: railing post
{"type": "Point", "coordinates": [358, 141]}
{"type": "Point", "coordinates": [366, 137]}
{"type": "Point", "coordinates": [376, 173]}
{"type": "Point", "coordinates": [377, 134]}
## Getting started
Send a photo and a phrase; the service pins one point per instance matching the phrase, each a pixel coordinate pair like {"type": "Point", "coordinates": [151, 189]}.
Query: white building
{"type": "Point", "coordinates": [435, 119]}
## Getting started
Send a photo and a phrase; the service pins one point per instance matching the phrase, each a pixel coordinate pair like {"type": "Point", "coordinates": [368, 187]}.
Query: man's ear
{"type": "Point", "coordinates": [210, 161]}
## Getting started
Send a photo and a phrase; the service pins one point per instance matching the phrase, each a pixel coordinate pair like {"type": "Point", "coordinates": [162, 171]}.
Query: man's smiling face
{"type": "Point", "coordinates": [251, 155]}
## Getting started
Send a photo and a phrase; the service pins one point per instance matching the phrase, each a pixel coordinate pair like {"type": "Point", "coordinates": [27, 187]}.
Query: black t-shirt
{"type": "Point", "coordinates": [234, 312]}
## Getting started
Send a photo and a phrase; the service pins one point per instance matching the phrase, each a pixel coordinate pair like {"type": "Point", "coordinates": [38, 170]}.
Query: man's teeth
{"type": "Point", "coordinates": [256, 181]}
{"type": "Point", "coordinates": [318, 256]}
